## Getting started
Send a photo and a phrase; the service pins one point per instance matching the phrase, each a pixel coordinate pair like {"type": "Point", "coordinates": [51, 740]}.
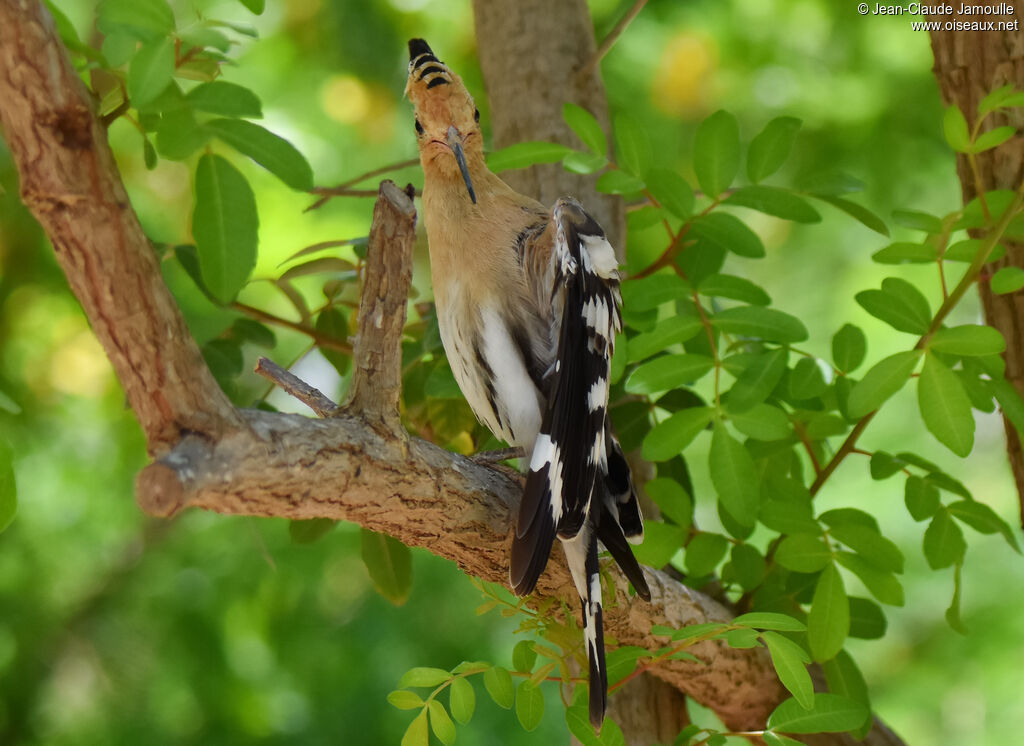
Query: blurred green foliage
{"type": "Point", "coordinates": [116, 629]}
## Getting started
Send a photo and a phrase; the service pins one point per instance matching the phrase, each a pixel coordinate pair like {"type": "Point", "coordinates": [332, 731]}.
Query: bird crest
{"type": "Point", "coordinates": [446, 117]}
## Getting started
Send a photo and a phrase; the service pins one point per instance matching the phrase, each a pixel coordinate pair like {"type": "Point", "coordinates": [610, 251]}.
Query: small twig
{"type": "Point", "coordinates": [322, 340]}
{"type": "Point", "coordinates": [329, 192]}
{"type": "Point", "coordinates": [295, 386]}
{"type": "Point", "coordinates": [378, 172]}
{"type": "Point", "coordinates": [608, 41]}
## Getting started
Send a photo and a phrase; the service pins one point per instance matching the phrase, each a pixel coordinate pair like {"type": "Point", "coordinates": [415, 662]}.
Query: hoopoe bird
{"type": "Point", "coordinates": [528, 306]}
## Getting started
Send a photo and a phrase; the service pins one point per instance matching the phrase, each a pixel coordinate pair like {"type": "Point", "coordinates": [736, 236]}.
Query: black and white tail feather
{"type": "Point", "coordinates": [579, 485]}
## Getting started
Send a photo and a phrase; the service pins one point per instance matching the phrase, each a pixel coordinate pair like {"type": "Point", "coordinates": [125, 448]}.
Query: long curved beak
{"type": "Point", "coordinates": [455, 143]}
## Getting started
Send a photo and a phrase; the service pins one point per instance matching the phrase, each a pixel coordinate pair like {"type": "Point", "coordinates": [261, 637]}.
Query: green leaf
{"type": "Point", "coordinates": [944, 543]}
{"type": "Point", "coordinates": [858, 212]}
{"type": "Point", "coordinates": [867, 620]}
{"type": "Point", "coordinates": [224, 225]}
{"type": "Point", "coordinates": [587, 128]}
{"type": "Point", "coordinates": [667, 332]}
{"type": "Point", "coordinates": [748, 566]}
{"type": "Point", "coordinates": [526, 154]}
{"type": "Point", "coordinates": [968, 340]}
{"type": "Point", "coordinates": [768, 324]}
{"type": "Point", "coordinates": [921, 498]}
{"type": "Point", "coordinates": [146, 19]}
{"type": "Point", "coordinates": [803, 553]}
{"type": "Point", "coordinates": [8, 487]}
{"type": "Point", "coordinates": [741, 638]}
{"type": "Point", "coordinates": [967, 250]}
{"type": "Point", "coordinates": [227, 99]}
{"type": "Point", "coordinates": [441, 723]}
{"type": "Point", "coordinates": [650, 292]}
{"type": "Point", "coordinates": [199, 36]}
{"type": "Point", "coordinates": [994, 100]}
{"type": "Point", "coordinates": [671, 499]}
{"type": "Point", "coordinates": [762, 422]}
{"type": "Point", "coordinates": [418, 733]}
{"type": "Point", "coordinates": [332, 324]}
{"type": "Point", "coordinates": [716, 152]}
{"type": "Point", "coordinates": [671, 191]}
{"type": "Point", "coordinates": [622, 662]}
{"type": "Point", "coordinates": [668, 372]}
{"type": "Point", "coordinates": [806, 380]}
{"type": "Point", "coordinates": [789, 659]}
{"type": "Point", "coordinates": [993, 139]}
{"type": "Point", "coordinates": [831, 713]}
{"type": "Point", "coordinates": [704, 552]}
{"type": "Point", "coordinates": [983, 519]}
{"type": "Point", "coordinates": [179, 135]}
{"type": "Point", "coordinates": [735, 288]}
{"type": "Point", "coordinates": [151, 71]}
{"type": "Point", "coordinates": [849, 516]}
{"type": "Point", "coordinates": [883, 585]}
{"type": "Point", "coordinates": [670, 436]}
{"type": "Point", "coordinates": [8, 404]}
{"type": "Point", "coordinates": [775, 201]}
{"type": "Point", "coordinates": [871, 545]}
{"type": "Point", "coordinates": [256, 8]}
{"type": "Point", "coordinates": [498, 683]}
{"type": "Point", "coordinates": [899, 304]}
{"type": "Point", "coordinates": [274, 153]}
{"type": "Point", "coordinates": [423, 677]}
{"type": "Point", "coordinates": [618, 182]}
{"type": "Point", "coordinates": [1007, 280]}
{"type": "Point", "coordinates": [917, 220]}
{"type": "Point", "coordinates": [734, 476]}
{"type": "Point", "coordinates": [953, 612]}
{"type": "Point", "coordinates": [249, 330]}
{"type": "Point", "coordinates": [881, 381]}
{"type": "Point", "coordinates": [389, 563]}
{"type": "Point", "coordinates": [727, 232]}
{"type": "Point", "coordinates": [757, 380]}
{"type": "Point", "coordinates": [828, 621]}
{"type": "Point", "coordinates": [1010, 402]}
{"type": "Point", "coordinates": [661, 542]}
{"type": "Point", "coordinates": [578, 162]}
{"type": "Point", "coordinates": [524, 656]}
{"type": "Point", "coordinates": [403, 699]}
{"type": "Point", "coordinates": [633, 145]}
{"type": "Point", "coordinates": [945, 407]}
{"type": "Point", "coordinates": [770, 620]}
{"type": "Point", "coordinates": [849, 346]}
{"type": "Point", "coordinates": [905, 252]}
{"type": "Point", "coordinates": [529, 705]}
{"type": "Point", "coordinates": [954, 126]}
{"type": "Point", "coordinates": [845, 679]}
{"type": "Point", "coordinates": [770, 148]}
{"type": "Point", "coordinates": [462, 699]}
{"type": "Point", "coordinates": [309, 531]}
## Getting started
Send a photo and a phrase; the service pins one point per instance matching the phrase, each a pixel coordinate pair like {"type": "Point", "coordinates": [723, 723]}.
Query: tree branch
{"type": "Point", "coordinates": [70, 182]}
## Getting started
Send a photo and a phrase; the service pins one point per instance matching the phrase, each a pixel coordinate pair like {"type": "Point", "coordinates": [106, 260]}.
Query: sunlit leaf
{"type": "Point", "coordinates": [734, 476]}
{"type": "Point", "coordinates": [968, 339]}
{"type": "Point", "coordinates": [789, 660]}
{"type": "Point", "coordinates": [224, 225]}
{"type": "Point", "coordinates": [716, 152]}
{"type": "Point", "coordinates": [881, 381]}
{"type": "Point", "coordinates": [770, 148]}
{"type": "Point", "coordinates": [151, 70]}
{"type": "Point", "coordinates": [830, 713]}
{"type": "Point", "coordinates": [954, 125]}
{"type": "Point", "coordinates": [529, 705]}
{"type": "Point", "coordinates": [498, 683]}
{"type": "Point", "coordinates": [526, 154]}
{"type": "Point", "coordinates": [945, 407]}
{"type": "Point", "coordinates": [803, 553]}
{"type": "Point", "coordinates": [274, 153]}
{"type": "Point", "coordinates": [775, 201]}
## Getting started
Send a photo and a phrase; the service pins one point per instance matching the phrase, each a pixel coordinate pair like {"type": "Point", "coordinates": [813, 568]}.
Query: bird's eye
{"type": "Point", "coordinates": [419, 127]}
{"type": "Point", "coordinates": [476, 115]}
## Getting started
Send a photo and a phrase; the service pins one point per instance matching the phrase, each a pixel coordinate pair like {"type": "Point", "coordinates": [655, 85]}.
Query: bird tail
{"type": "Point", "coordinates": [581, 555]}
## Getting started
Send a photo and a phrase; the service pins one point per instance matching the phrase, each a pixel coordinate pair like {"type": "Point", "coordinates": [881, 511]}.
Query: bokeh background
{"type": "Point", "coordinates": [116, 628]}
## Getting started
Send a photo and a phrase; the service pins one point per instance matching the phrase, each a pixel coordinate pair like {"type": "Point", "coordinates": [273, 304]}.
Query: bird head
{"type": "Point", "coordinates": [447, 120]}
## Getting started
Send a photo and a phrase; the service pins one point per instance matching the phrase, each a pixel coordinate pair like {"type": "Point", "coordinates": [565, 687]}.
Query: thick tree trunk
{"type": "Point", "coordinates": [969, 65]}
{"type": "Point", "coordinates": [530, 53]}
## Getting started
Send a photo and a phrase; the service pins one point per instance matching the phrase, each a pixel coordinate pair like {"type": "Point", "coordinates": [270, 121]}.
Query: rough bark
{"type": "Point", "coordinates": [969, 65]}
{"type": "Point", "coordinates": [71, 184]}
{"type": "Point", "coordinates": [530, 53]}
{"type": "Point", "coordinates": [257, 463]}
